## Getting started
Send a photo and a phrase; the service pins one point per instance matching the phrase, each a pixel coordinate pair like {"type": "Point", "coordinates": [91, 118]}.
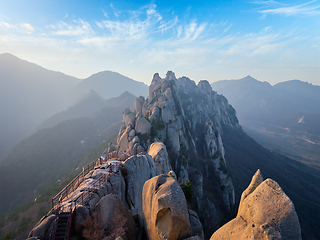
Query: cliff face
{"type": "Point", "coordinates": [188, 119]}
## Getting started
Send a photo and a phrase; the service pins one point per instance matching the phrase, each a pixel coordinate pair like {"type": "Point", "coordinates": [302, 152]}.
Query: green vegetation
{"type": "Point", "coordinates": [171, 175]}
{"type": "Point", "coordinates": [14, 213]}
{"type": "Point", "coordinates": [23, 226]}
{"type": "Point", "coordinates": [187, 190]}
{"type": "Point", "coordinates": [41, 212]}
{"type": "Point", "coordinates": [9, 235]}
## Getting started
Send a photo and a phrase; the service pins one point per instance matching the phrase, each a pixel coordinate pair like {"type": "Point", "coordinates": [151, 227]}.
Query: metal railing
{"type": "Point", "coordinates": [96, 184]}
{"type": "Point", "coordinates": [74, 184]}
{"type": "Point", "coordinates": [56, 221]}
{"type": "Point", "coordinates": [65, 192]}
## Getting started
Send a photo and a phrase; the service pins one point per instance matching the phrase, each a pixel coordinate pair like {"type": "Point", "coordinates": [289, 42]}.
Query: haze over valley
{"type": "Point", "coordinates": [147, 120]}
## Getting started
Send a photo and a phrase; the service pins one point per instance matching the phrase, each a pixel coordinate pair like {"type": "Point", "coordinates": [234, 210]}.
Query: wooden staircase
{"type": "Point", "coordinates": [63, 225]}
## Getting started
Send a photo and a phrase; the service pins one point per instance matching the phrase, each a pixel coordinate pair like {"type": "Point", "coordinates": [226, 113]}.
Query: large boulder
{"type": "Point", "coordinates": [40, 230]}
{"type": "Point", "coordinates": [115, 218]}
{"type": "Point", "coordinates": [265, 212]}
{"type": "Point", "coordinates": [138, 169]}
{"type": "Point", "coordinates": [158, 152]}
{"type": "Point", "coordinates": [81, 213]}
{"type": "Point", "coordinates": [165, 209]}
{"type": "Point", "coordinates": [142, 125]}
{"type": "Point", "coordinates": [138, 103]}
{"type": "Point", "coordinates": [123, 142]}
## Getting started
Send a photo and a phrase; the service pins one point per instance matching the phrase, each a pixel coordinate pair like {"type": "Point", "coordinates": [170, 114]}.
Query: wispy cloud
{"type": "Point", "coordinates": [22, 27]}
{"type": "Point", "coordinates": [193, 30]}
{"type": "Point", "coordinates": [164, 26]}
{"type": "Point", "coordinates": [105, 14]}
{"type": "Point", "coordinates": [28, 27]}
{"type": "Point", "coordinates": [115, 11]}
{"type": "Point", "coordinates": [6, 25]}
{"type": "Point", "coordinates": [76, 28]}
{"type": "Point", "coordinates": [273, 7]}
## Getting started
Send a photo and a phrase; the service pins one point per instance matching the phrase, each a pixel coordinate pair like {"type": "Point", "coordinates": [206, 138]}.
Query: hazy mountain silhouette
{"type": "Point", "coordinates": [44, 156]}
{"type": "Point", "coordinates": [110, 84]}
{"type": "Point", "coordinates": [91, 103]}
{"type": "Point", "coordinates": [259, 101]}
{"type": "Point", "coordinates": [284, 117]}
{"type": "Point", "coordinates": [30, 94]}
{"type": "Point", "coordinates": [300, 88]}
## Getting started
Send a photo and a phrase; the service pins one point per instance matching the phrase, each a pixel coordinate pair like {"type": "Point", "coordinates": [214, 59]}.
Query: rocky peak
{"type": "Point", "coordinates": [187, 118]}
{"type": "Point", "coordinates": [205, 86]}
{"type": "Point", "coordinates": [170, 76]}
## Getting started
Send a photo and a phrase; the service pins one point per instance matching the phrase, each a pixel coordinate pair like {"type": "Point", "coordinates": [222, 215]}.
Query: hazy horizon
{"type": "Point", "coordinates": [270, 40]}
{"type": "Point", "coordinates": [161, 75]}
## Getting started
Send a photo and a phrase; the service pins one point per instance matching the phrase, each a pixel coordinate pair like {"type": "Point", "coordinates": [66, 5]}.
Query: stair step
{"type": "Point", "coordinates": [61, 235]}
{"type": "Point", "coordinates": [62, 223]}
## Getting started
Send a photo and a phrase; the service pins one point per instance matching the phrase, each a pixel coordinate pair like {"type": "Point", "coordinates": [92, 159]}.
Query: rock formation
{"type": "Point", "coordinates": [186, 119]}
{"type": "Point", "coordinates": [170, 178]}
{"type": "Point", "coordinates": [165, 209]}
{"type": "Point", "coordinates": [265, 212]}
{"type": "Point", "coordinates": [115, 218]}
{"type": "Point", "coordinates": [158, 152]}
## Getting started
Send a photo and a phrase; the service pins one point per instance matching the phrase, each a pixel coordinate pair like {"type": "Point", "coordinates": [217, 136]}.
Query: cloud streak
{"type": "Point", "coordinates": [273, 7]}
{"type": "Point", "coordinates": [76, 28]}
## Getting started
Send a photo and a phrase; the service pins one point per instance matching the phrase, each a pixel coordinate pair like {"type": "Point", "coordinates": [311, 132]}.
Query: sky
{"type": "Point", "coordinates": [272, 41]}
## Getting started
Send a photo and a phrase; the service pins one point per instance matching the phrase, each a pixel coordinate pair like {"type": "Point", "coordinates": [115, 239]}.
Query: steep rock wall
{"type": "Point", "coordinates": [187, 118]}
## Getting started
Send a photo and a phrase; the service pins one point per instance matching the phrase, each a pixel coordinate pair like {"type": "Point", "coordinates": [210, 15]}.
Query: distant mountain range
{"type": "Point", "coordinates": [46, 155]}
{"type": "Point", "coordinates": [30, 94]}
{"type": "Point", "coordinates": [278, 104]}
{"type": "Point", "coordinates": [284, 117]}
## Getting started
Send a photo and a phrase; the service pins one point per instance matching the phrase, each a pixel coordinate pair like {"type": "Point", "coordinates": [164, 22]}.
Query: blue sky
{"type": "Point", "coordinates": [270, 40]}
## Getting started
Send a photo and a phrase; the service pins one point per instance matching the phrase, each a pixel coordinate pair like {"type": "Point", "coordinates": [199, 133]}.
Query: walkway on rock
{"type": "Point", "coordinates": [75, 183]}
{"type": "Point", "coordinates": [64, 214]}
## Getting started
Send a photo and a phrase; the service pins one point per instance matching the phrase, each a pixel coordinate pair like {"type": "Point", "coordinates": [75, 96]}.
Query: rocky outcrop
{"type": "Point", "coordinates": [158, 152]}
{"type": "Point", "coordinates": [41, 230]}
{"type": "Point", "coordinates": [113, 184]}
{"type": "Point", "coordinates": [196, 225]}
{"type": "Point", "coordinates": [138, 170]}
{"type": "Point", "coordinates": [115, 218]}
{"type": "Point", "coordinates": [165, 209]}
{"type": "Point", "coordinates": [187, 119]}
{"type": "Point", "coordinates": [265, 212]}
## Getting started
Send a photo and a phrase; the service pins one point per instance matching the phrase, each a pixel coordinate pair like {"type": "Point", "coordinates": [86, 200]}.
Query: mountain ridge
{"type": "Point", "coordinates": [30, 94]}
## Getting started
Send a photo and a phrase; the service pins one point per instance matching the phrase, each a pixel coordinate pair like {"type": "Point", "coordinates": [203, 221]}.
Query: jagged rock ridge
{"type": "Point", "coordinates": [187, 118]}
